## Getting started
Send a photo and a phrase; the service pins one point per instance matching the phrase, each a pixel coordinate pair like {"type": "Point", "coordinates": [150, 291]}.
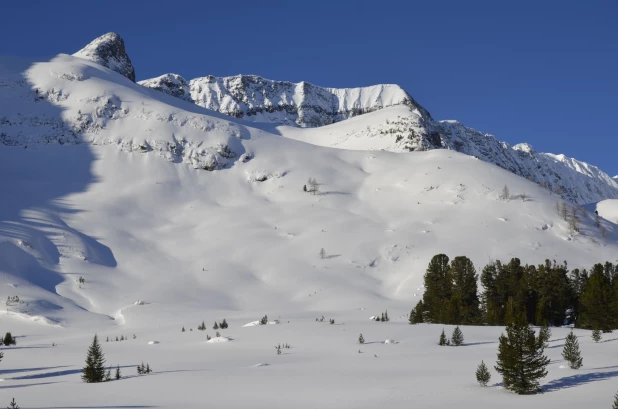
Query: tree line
{"type": "Point", "coordinates": [546, 294]}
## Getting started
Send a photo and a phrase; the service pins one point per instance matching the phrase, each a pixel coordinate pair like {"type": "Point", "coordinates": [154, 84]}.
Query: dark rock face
{"type": "Point", "coordinates": [109, 51]}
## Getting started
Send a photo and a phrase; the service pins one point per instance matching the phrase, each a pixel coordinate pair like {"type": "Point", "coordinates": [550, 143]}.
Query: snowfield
{"type": "Point", "coordinates": [201, 217]}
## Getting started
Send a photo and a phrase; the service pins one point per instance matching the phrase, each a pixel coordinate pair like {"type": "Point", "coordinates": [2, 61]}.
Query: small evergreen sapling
{"type": "Point", "coordinates": [13, 405]}
{"type": "Point", "coordinates": [332, 321]}
{"type": "Point", "coordinates": [482, 374]}
{"type": "Point", "coordinates": [1, 356]}
{"type": "Point", "coordinates": [118, 375]}
{"type": "Point", "coordinates": [596, 335]}
{"type": "Point", "coordinates": [615, 405]}
{"type": "Point", "coordinates": [183, 329]}
{"type": "Point", "coordinates": [457, 338]}
{"type": "Point", "coordinates": [223, 324]}
{"type": "Point", "coordinates": [216, 326]}
{"type": "Point", "coordinates": [108, 374]}
{"type": "Point", "coordinates": [361, 340]}
{"type": "Point", "coordinates": [571, 353]}
{"type": "Point", "coordinates": [9, 340]}
{"type": "Point", "coordinates": [94, 371]}
{"type": "Point", "coordinates": [442, 341]}
{"type": "Point", "coordinates": [264, 320]}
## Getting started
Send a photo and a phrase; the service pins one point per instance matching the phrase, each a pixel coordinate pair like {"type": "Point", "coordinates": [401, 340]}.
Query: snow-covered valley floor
{"type": "Point", "coordinates": [323, 368]}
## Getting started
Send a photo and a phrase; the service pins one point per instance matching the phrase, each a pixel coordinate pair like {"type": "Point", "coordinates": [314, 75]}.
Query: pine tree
{"type": "Point", "coordinates": [615, 405]}
{"type": "Point", "coordinates": [416, 315]}
{"type": "Point", "coordinates": [108, 375]}
{"type": "Point", "coordinates": [544, 335]}
{"type": "Point", "coordinates": [322, 254]}
{"type": "Point", "coordinates": [107, 339]}
{"type": "Point", "coordinates": [1, 356]}
{"type": "Point", "coordinates": [116, 339]}
{"type": "Point", "coordinates": [382, 318]}
{"type": "Point", "coordinates": [457, 338]}
{"type": "Point", "coordinates": [464, 302]}
{"type": "Point", "coordinates": [596, 335]}
{"type": "Point", "coordinates": [118, 375]}
{"type": "Point", "coordinates": [505, 195]}
{"type": "Point", "coordinates": [148, 370]}
{"type": "Point", "coordinates": [183, 329]}
{"type": "Point", "coordinates": [521, 361]}
{"type": "Point", "coordinates": [571, 353]}
{"type": "Point", "coordinates": [264, 320]}
{"type": "Point", "coordinates": [94, 371]}
{"type": "Point", "coordinates": [216, 326]}
{"type": "Point", "coordinates": [9, 340]}
{"type": "Point", "coordinates": [361, 340]}
{"type": "Point", "coordinates": [438, 288]}
{"type": "Point", "coordinates": [224, 324]}
{"type": "Point", "coordinates": [442, 341]}
{"type": "Point", "coordinates": [482, 374]}
{"type": "Point", "coordinates": [13, 405]}
{"type": "Point", "coordinates": [139, 369]}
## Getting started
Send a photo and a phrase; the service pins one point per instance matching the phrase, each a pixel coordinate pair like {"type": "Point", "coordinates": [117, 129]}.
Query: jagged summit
{"type": "Point", "coordinates": [302, 104]}
{"type": "Point", "coordinates": [109, 51]}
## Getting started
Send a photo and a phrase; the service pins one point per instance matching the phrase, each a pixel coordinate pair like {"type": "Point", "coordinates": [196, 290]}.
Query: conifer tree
{"type": "Point", "coordinates": [442, 341]}
{"type": "Point", "coordinates": [1, 356]}
{"type": "Point", "coordinates": [183, 329]}
{"type": "Point", "coordinates": [94, 371]}
{"type": "Point", "coordinates": [139, 369]}
{"type": "Point", "coordinates": [148, 370]}
{"type": "Point", "coordinates": [108, 374]}
{"type": "Point", "coordinates": [216, 326]}
{"type": "Point", "coordinates": [13, 405]}
{"type": "Point", "coordinates": [223, 324]}
{"type": "Point", "coordinates": [571, 353]}
{"type": "Point", "coordinates": [382, 317]}
{"type": "Point", "coordinates": [521, 361]}
{"type": "Point", "coordinates": [107, 339]}
{"type": "Point", "coordinates": [118, 375]}
{"type": "Point", "coordinates": [482, 374]}
{"type": "Point", "coordinates": [464, 302]}
{"type": "Point", "coordinates": [386, 316]}
{"type": "Point", "coordinates": [596, 335]}
{"type": "Point", "coordinates": [9, 340]}
{"type": "Point", "coordinates": [457, 338]}
{"type": "Point", "coordinates": [438, 286]}
{"type": "Point", "coordinates": [416, 315]}
{"type": "Point", "coordinates": [361, 340]}
{"type": "Point", "coordinates": [544, 335]}
{"type": "Point", "coordinates": [615, 405]}
{"type": "Point", "coordinates": [597, 300]}
{"type": "Point", "coordinates": [116, 339]}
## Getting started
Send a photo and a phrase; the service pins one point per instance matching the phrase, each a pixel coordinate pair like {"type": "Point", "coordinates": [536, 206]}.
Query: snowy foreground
{"type": "Point", "coordinates": [174, 215]}
{"type": "Point", "coordinates": [323, 368]}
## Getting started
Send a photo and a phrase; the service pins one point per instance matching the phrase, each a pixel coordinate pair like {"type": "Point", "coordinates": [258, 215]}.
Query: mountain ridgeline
{"type": "Point", "coordinates": [392, 121]}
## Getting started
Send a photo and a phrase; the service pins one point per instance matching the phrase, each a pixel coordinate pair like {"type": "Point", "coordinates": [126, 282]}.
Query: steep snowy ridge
{"type": "Point", "coordinates": [302, 104]}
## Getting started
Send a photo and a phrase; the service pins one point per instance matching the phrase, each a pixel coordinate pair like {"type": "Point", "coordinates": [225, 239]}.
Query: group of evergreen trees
{"type": "Point", "coordinates": [457, 338]}
{"type": "Point", "coordinates": [544, 294]}
{"type": "Point", "coordinates": [451, 295]}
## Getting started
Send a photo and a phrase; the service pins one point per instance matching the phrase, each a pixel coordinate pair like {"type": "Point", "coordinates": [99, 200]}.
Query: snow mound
{"type": "Point", "coordinates": [260, 365]}
{"type": "Point", "coordinates": [153, 342]}
{"type": "Point", "coordinates": [217, 340]}
{"type": "Point", "coordinates": [257, 323]}
{"type": "Point", "coordinates": [390, 341]}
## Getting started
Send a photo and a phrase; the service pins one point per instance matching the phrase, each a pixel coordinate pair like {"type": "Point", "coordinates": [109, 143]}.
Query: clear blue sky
{"type": "Point", "coordinates": [543, 71]}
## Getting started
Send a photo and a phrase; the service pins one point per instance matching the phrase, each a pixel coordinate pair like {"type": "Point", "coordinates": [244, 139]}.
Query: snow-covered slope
{"type": "Point", "coordinates": [402, 129]}
{"type": "Point", "coordinates": [108, 179]}
{"type": "Point", "coordinates": [393, 121]}
{"type": "Point", "coordinates": [260, 100]}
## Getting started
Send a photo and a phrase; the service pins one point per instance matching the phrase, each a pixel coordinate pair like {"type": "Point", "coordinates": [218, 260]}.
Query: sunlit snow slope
{"type": "Point", "coordinates": [152, 198]}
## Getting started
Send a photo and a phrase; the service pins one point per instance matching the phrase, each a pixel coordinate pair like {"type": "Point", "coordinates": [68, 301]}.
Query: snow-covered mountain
{"type": "Point", "coordinates": [260, 100]}
{"type": "Point", "coordinates": [402, 126]}
{"type": "Point", "coordinates": [104, 177]}
{"type": "Point", "coordinates": [109, 51]}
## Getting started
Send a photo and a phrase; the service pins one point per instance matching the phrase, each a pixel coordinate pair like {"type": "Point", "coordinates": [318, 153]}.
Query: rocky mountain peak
{"type": "Point", "coordinates": [109, 51]}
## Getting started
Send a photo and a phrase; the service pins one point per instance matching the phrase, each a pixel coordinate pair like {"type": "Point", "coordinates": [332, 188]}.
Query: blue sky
{"type": "Point", "coordinates": [543, 72]}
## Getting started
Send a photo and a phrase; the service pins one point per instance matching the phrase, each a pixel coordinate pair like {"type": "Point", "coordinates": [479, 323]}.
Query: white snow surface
{"type": "Point", "coordinates": [144, 196]}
